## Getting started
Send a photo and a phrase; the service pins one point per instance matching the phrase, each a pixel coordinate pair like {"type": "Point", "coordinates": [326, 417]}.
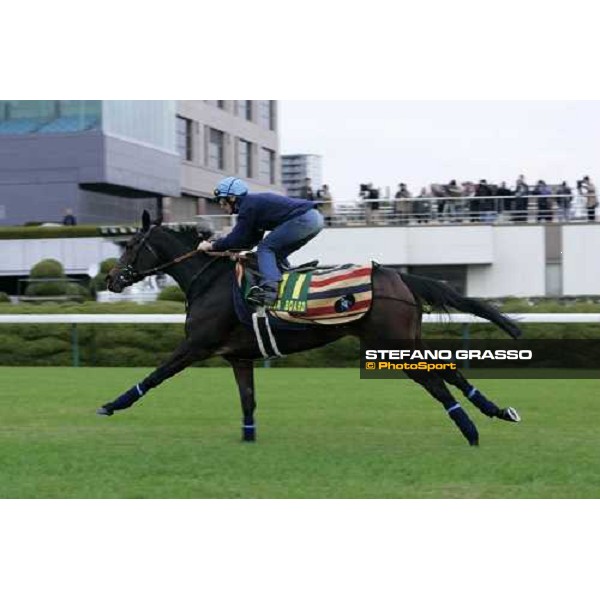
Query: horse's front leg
{"type": "Point", "coordinates": [179, 360]}
{"type": "Point", "coordinates": [244, 377]}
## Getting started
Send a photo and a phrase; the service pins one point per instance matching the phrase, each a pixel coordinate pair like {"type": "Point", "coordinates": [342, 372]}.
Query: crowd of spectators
{"type": "Point", "coordinates": [468, 201]}
{"type": "Point", "coordinates": [485, 201]}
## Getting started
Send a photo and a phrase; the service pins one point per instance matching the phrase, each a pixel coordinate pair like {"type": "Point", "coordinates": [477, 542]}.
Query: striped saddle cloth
{"type": "Point", "coordinates": [331, 296]}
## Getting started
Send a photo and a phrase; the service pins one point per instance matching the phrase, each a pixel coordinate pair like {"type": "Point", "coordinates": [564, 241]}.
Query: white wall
{"type": "Point", "coordinates": [501, 260]}
{"type": "Point", "coordinates": [518, 267]}
{"type": "Point", "coordinates": [76, 254]}
{"type": "Point", "coordinates": [581, 259]}
{"type": "Point", "coordinates": [401, 245]}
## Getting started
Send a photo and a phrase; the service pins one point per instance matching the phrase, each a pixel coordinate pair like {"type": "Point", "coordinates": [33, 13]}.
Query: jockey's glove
{"type": "Point", "coordinates": [205, 246]}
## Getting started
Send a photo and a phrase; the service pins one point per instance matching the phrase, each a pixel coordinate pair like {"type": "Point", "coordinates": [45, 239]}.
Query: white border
{"type": "Point", "coordinates": [314, 50]}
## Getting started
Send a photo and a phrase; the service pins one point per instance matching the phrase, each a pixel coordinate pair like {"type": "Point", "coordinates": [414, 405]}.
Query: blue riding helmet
{"type": "Point", "coordinates": [231, 186]}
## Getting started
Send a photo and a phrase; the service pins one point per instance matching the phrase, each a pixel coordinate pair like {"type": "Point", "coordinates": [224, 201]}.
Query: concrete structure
{"type": "Point", "coordinates": [480, 260]}
{"type": "Point", "coordinates": [295, 168]}
{"type": "Point", "coordinates": [107, 160]}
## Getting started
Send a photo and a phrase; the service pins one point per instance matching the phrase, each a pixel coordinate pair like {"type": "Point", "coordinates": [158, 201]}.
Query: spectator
{"type": "Point", "coordinates": [325, 204]}
{"type": "Point", "coordinates": [563, 201]}
{"type": "Point", "coordinates": [439, 191]}
{"type": "Point", "coordinates": [521, 199]}
{"type": "Point", "coordinates": [306, 191]}
{"type": "Point", "coordinates": [404, 205]}
{"type": "Point", "coordinates": [369, 194]}
{"type": "Point", "coordinates": [543, 192]}
{"type": "Point", "coordinates": [422, 208]}
{"type": "Point", "coordinates": [468, 192]}
{"type": "Point", "coordinates": [481, 204]}
{"type": "Point", "coordinates": [69, 218]}
{"type": "Point", "coordinates": [505, 200]}
{"type": "Point", "coordinates": [586, 187]}
{"type": "Point", "coordinates": [453, 191]}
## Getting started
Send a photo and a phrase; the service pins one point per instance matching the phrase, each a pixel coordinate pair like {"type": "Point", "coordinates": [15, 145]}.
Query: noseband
{"type": "Point", "coordinates": [128, 274]}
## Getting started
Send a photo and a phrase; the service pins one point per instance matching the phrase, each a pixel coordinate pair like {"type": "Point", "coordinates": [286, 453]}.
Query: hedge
{"type": "Point", "coordinates": [148, 345]}
{"type": "Point", "coordinates": [33, 232]}
{"type": "Point", "coordinates": [172, 293]}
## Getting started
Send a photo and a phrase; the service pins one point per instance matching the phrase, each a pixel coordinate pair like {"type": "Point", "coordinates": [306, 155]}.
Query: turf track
{"type": "Point", "coordinates": [323, 433]}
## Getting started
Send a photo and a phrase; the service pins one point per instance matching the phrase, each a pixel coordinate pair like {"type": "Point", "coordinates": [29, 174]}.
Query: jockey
{"type": "Point", "coordinates": [291, 222]}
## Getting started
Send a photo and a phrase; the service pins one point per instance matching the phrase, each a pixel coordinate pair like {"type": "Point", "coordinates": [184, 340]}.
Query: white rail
{"type": "Point", "coordinates": [158, 319]}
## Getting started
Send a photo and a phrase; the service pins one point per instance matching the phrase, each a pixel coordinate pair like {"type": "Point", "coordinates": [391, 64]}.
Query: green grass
{"type": "Point", "coordinates": [322, 433]}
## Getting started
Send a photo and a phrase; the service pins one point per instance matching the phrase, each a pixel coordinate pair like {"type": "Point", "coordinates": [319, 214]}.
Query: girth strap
{"type": "Point", "coordinates": [264, 335]}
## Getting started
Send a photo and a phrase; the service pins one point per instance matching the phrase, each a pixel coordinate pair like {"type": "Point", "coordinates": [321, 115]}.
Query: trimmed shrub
{"type": "Point", "coordinates": [107, 264]}
{"type": "Point", "coordinates": [47, 268]}
{"type": "Point", "coordinates": [4, 297]}
{"type": "Point", "coordinates": [98, 283]}
{"type": "Point", "coordinates": [52, 269]}
{"type": "Point", "coordinates": [47, 288]}
{"type": "Point", "coordinates": [172, 293]}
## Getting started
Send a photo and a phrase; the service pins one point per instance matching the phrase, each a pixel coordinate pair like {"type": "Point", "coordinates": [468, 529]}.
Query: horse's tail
{"type": "Point", "coordinates": [441, 296]}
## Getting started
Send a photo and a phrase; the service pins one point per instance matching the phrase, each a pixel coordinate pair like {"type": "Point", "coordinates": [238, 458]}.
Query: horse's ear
{"type": "Point", "coordinates": [145, 220]}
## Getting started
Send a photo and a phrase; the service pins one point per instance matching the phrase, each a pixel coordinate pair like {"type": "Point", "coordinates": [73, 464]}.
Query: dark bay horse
{"type": "Point", "coordinates": [212, 327]}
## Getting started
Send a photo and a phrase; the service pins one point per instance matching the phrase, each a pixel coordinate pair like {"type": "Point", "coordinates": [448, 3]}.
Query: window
{"type": "Point", "coordinates": [243, 109]}
{"type": "Point", "coordinates": [49, 116]}
{"type": "Point", "coordinates": [267, 165]}
{"type": "Point", "coordinates": [185, 145]}
{"type": "Point", "coordinates": [216, 149]}
{"type": "Point", "coordinates": [244, 158]}
{"type": "Point", "coordinates": [266, 114]}
{"type": "Point", "coordinates": [218, 103]}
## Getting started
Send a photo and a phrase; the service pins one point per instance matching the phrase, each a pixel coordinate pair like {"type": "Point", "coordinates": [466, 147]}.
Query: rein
{"type": "Point", "coordinates": [227, 254]}
{"type": "Point", "coordinates": [166, 265]}
{"type": "Point", "coordinates": [129, 274]}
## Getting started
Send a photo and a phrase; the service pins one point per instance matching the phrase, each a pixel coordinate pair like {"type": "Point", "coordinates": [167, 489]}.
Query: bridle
{"type": "Point", "coordinates": [128, 274]}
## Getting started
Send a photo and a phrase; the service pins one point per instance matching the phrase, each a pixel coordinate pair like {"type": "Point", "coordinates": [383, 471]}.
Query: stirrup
{"type": "Point", "coordinates": [260, 296]}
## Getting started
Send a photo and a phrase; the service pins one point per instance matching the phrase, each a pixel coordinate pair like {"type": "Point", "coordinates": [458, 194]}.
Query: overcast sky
{"type": "Point", "coordinates": [434, 141]}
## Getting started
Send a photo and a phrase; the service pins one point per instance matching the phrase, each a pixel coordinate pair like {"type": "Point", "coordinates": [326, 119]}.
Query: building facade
{"type": "Point", "coordinates": [216, 138]}
{"type": "Point", "coordinates": [107, 160]}
{"type": "Point", "coordinates": [295, 168]}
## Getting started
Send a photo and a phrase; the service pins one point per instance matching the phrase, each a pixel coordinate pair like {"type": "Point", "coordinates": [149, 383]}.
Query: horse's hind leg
{"type": "Point", "coordinates": [179, 360]}
{"type": "Point", "coordinates": [471, 393]}
{"type": "Point", "coordinates": [435, 385]}
{"type": "Point", "coordinates": [244, 377]}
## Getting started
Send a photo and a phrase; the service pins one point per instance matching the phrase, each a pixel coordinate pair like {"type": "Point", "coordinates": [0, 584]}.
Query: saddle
{"type": "Point", "coordinates": [307, 295]}
{"type": "Point", "coordinates": [252, 272]}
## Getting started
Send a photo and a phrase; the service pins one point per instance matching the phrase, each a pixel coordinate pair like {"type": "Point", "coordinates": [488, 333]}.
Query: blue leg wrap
{"type": "Point", "coordinates": [466, 426]}
{"type": "Point", "coordinates": [128, 398]}
{"type": "Point", "coordinates": [482, 403]}
{"type": "Point", "coordinates": [249, 432]}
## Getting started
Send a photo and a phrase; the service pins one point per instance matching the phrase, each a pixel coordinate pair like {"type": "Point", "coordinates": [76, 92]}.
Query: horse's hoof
{"type": "Point", "coordinates": [509, 414]}
{"type": "Point", "coordinates": [104, 412]}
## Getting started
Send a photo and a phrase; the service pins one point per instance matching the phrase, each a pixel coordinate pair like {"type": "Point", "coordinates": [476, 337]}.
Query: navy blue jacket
{"type": "Point", "coordinates": [258, 213]}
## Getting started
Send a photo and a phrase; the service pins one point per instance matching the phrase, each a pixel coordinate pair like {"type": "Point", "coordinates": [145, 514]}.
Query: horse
{"type": "Point", "coordinates": [212, 327]}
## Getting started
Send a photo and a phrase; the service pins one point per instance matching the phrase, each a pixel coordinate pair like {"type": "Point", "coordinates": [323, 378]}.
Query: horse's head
{"type": "Point", "coordinates": [139, 258]}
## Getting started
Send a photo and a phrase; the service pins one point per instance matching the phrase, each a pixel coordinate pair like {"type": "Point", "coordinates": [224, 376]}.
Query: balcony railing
{"type": "Point", "coordinates": [490, 210]}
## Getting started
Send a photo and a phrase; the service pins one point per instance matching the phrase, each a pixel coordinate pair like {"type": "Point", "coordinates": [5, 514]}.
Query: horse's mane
{"type": "Point", "coordinates": [188, 234]}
